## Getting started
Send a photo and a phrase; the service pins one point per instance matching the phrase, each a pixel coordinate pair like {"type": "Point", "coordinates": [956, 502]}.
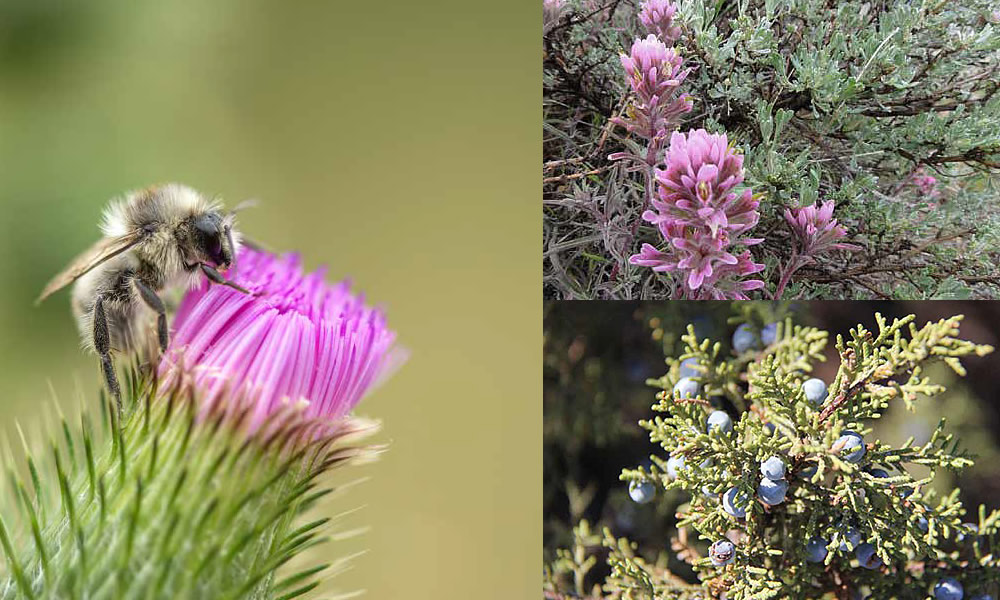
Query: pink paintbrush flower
{"type": "Point", "coordinates": [296, 342]}
{"type": "Point", "coordinates": [927, 184]}
{"type": "Point", "coordinates": [725, 271]}
{"type": "Point", "coordinates": [696, 186]}
{"type": "Point", "coordinates": [653, 69]}
{"type": "Point", "coordinates": [814, 232]}
{"type": "Point", "coordinates": [654, 74]}
{"type": "Point", "coordinates": [815, 229]}
{"type": "Point", "coordinates": [703, 219]}
{"type": "Point", "coordinates": [657, 16]}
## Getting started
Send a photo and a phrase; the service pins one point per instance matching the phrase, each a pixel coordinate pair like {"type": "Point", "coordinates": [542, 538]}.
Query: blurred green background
{"type": "Point", "coordinates": [396, 142]}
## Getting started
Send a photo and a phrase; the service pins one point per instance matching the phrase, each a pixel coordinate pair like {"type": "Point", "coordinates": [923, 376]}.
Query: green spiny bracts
{"type": "Point", "coordinates": [814, 504]}
{"type": "Point", "coordinates": [164, 501]}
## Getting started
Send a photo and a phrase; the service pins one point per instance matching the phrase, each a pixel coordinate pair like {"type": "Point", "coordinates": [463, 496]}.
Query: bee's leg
{"type": "Point", "coordinates": [153, 301]}
{"type": "Point", "coordinates": [102, 343]}
{"type": "Point", "coordinates": [216, 277]}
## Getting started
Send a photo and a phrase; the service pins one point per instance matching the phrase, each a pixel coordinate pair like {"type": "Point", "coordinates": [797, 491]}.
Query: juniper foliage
{"type": "Point", "coordinates": [855, 102]}
{"type": "Point", "coordinates": [158, 502]}
{"type": "Point", "coordinates": [919, 536]}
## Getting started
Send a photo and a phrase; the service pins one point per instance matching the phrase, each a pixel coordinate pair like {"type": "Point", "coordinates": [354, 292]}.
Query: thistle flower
{"type": "Point", "coordinates": [815, 231]}
{"type": "Point", "coordinates": [296, 341]}
{"type": "Point", "coordinates": [215, 458]}
{"type": "Point", "coordinates": [702, 218]}
{"type": "Point", "coordinates": [657, 16]}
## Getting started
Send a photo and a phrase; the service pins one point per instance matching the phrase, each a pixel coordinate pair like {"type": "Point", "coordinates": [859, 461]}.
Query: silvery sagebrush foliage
{"type": "Point", "coordinates": [887, 110]}
{"type": "Point", "coordinates": [209, 483]}
{"type": "Point", "coordinates": [849, 519]}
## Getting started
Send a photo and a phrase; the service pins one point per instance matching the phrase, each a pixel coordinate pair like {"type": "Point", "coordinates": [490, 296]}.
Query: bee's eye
{"type": "Point", "coordinates": [209, 235]}
{"type": "Point", "coordinates": [207, 226]}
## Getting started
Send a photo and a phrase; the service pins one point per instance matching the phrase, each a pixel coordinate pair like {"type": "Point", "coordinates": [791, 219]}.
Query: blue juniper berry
{"type": "Point", "coordinates": [866, 556]}
{"type": "Point", "coordinates": [735, 502]}
{"type": "Point", "coordinates": [722, 552]}
{"type": "Point", "coordinates": [851, 446]}
{"type": "Point", "coordinates": [772, 492]}
{"type": "Point", "coordinates": [815, 390]}
{"type": "Point", "coordinates": [848, 535]}
{"type": "Point", "coordinates": [807, 471]}
{"type": "Point", "coordinates": [948, 589]}
{"type": "Point", "coordinates": [675, 463]}
{"type": "Point", "coordinates": [642, 492]}
{"type": "Point", "coordinates": [816, 550]}
{"type": "Point", "coordinates": [744, 339]}
{"type": "Point", "coordinates": [720, 420]}
{"type": "Point", "coordinates": [689, 367]}
{"type": "Point", "coordinates": [769, 334]}
{"type": "Point", "coordinates": [686, 388]}
{"type": "Point", "coordinates": [773, 468]}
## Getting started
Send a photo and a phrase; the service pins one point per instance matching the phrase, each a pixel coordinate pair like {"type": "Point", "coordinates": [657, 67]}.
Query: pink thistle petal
{"type": "Point", "coordinates": [296, 342]}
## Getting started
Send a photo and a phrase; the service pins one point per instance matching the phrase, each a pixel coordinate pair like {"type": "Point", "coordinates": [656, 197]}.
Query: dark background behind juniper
{"type": "Point", "coordinates": [598, 356]}
{"type": "Point", "coordinates": [395, 142]}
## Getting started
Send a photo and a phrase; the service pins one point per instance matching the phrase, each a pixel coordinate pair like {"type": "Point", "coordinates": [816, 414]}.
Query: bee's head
{"type": "Point", "coordinates": [211, 239]}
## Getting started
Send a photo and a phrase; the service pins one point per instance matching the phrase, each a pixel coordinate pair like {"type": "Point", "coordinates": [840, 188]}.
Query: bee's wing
{"type": "Point", "coordinates": [98, 253]}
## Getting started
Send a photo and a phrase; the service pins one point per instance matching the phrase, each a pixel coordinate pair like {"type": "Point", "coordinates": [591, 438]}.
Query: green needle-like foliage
{"type": "Point", "coordinates": [161, 501]}
{"type": "Point", "coordinates": [918, 534]}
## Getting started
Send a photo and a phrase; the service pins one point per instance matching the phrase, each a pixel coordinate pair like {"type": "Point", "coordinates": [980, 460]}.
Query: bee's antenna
{"type": "Point", "coordinates": [245, 204]}
{"type": "Point", "coordinates": [232, 249]}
